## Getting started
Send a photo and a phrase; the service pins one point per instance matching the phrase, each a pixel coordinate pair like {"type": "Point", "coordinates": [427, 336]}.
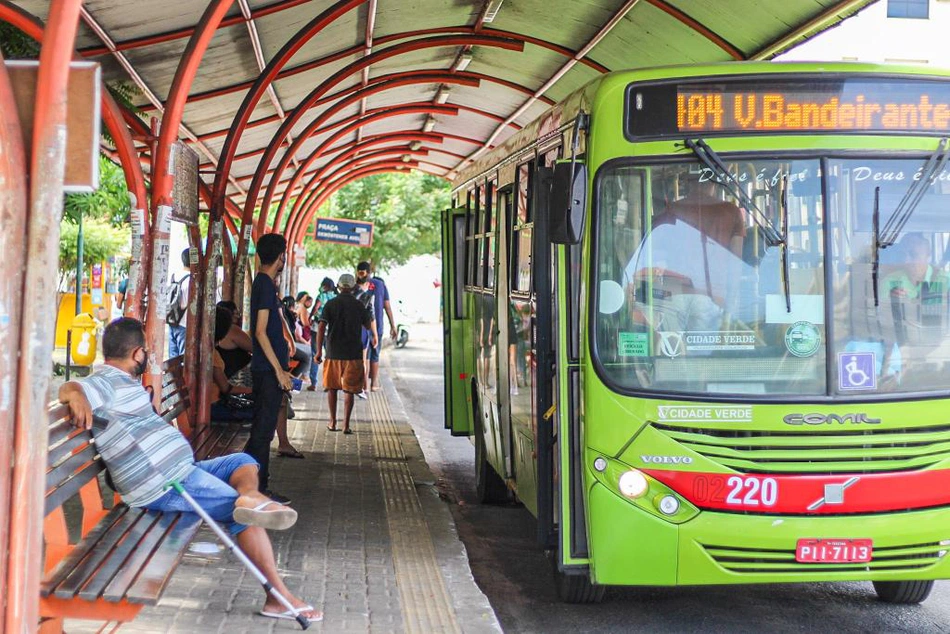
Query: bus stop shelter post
{"type": "Point", "coordinates": [13, 211]}
{"type": "Point", "coordinates": [157, 254]}
{"type": "Point", "coordinates": [210, 281]}
{"type": "Point", "coordinates": [47, 167]}
{"type": "Point", "coordinates": [162, 181]}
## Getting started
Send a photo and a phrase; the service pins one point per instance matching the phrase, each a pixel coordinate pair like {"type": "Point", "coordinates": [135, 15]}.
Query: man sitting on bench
{"type": "Point", "coordinates": [143, 454]}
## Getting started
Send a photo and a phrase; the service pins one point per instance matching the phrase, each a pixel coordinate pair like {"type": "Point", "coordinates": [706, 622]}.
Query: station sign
{"type": "Point", "coordinates": [356, 233]}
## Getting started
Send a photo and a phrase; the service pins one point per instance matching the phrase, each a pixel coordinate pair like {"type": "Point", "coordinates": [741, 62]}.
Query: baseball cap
{"type": "Point", "coordinates": [363, 266]}
{"type": "Point", "coordinates": [347, 281]}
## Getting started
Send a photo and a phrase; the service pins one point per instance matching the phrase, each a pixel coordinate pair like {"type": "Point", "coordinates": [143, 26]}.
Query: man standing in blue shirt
{"type": "Point", "coordinates": [270, 361]}
{"type": "Point", "coordinates": [381, 303]}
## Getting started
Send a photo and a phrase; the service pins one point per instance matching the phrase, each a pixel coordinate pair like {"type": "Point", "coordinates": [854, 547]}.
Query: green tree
{"type": "Point", "coordinates": [110, 202]}
{"type": "Point", "coordinates": [405, 210]}
{"type": "Point", "coordinates": [101, 240]}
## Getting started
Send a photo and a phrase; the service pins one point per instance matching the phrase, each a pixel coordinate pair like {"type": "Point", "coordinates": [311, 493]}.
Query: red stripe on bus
{"type": "Point", "coordinates": [810, 495]}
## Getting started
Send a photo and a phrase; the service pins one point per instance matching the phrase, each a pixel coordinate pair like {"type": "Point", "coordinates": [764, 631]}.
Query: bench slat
{"type": "Point", "coordinates": [99, 554]}
{"type": "Point", "coordinates": [59, 430]}
{"type": "Point", "coordinates": [157, 573]}
{"type": "Point", "coordinates": [136, 540]}
{"type": "Point", "coordinates": [64, 567]}
{"type": "Point", "coordinates": [59, 474]}
{"type": "Point", "coordinates": [118, 588]}
{"type": "Point", "coordinates": [69, 488]}
{"type": "Point", "coordinates": [65, 448]}
{"type": "Point", "coordinates": [171, 415]}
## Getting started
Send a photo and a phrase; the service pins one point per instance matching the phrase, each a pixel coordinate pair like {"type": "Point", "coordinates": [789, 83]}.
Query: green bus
{"type": "Point", "coordinates": [696, 320]}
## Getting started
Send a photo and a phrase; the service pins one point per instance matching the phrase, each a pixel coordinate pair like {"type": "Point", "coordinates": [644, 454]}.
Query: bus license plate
{"type": "Point", "coordinates": [836, 551]}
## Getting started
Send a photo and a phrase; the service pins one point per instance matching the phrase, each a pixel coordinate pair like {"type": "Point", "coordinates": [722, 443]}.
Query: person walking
{"type": "Point", "coordinates": [327, 292]}
{"type": "Point", "coordinates": [177, 310]}
{"type": "Point", "coordinates": [270, 359]}
{"type": "Point", "coordinates": [376, 285]}
{"type": "Point", "coordinates": [341, 325]}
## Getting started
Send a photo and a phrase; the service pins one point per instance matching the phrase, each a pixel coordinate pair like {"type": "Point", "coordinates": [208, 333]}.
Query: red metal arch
{"type": "Point", "coordinates": [352, 147]}
{"type": "Point", "coordinates": [355, 50]}
{"type": "Point", "coordinates": [295, 237]}
{"type": "Point", "coordinates": [426, 107]}
{"type": "Point", "coordinates": [383, 83]}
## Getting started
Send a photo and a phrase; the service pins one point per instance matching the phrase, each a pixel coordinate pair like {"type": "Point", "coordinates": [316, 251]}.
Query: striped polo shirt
{"type": "Point", "coordinates": [142, 452]}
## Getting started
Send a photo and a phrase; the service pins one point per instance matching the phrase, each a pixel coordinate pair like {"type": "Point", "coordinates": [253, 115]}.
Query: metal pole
{"type": "Point", "coordinates": [79, 248]}
{"type": "Point", "coordinates": [47, 168]}
{"type": "Point", "coordinates": [13, 212]}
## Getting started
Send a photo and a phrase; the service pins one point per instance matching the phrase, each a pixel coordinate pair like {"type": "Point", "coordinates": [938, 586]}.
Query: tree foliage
{"type": "Point", "coordinates": [110, 202]}
{"type": "Point", "coordinates": [101, 240]}
{"type": "Point", "coordinates": [15, 44]}
{"type": "Point", "coordinates": [405, 210]}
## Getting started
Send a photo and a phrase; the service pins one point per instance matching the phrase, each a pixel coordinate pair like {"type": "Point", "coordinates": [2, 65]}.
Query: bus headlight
{"type": "Point", "coordinates": [633, 484]}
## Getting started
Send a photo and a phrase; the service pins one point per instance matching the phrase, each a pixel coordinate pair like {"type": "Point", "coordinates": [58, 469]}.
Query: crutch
{"type": "Point", "coordinates": [101, 423]}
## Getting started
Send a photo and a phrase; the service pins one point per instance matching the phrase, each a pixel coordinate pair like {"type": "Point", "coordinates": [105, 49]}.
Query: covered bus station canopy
{"type": "Point", "coordinates": [285, 102]}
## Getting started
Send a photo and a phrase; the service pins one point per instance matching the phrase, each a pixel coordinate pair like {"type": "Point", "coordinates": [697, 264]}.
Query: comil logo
{"type": "Point", "coordinates": [830, 419]}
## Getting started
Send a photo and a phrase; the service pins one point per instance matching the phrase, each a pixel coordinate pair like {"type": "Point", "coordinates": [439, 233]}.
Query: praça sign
{"type": "Point", "coordinates": [339, 231]}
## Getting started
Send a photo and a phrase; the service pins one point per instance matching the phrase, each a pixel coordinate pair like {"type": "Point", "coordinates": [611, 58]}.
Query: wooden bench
{"type": "Point", "coordinates": [116, 559]}
{"type": "Point", "coordinates": [104, 560]}
{"type": "Point", "coordinates": [209, 441]}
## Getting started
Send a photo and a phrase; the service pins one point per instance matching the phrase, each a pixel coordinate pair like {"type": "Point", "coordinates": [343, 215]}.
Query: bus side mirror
{"type": "Point", "coordinates": [568, 202]}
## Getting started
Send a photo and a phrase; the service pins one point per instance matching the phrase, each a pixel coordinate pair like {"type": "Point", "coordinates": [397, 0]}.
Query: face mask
{"type": "Point", "coordinates": [141, 366]}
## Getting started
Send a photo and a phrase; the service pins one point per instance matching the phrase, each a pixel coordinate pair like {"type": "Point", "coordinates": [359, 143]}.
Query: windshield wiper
{"type": "Point", "coordinates": [728, 182]}
{"type": "Point", "coordinates": [912, 197]}
{"type": "Point", "coordinates": [783, 203]}
{"type": "Point", "coordinates": [876, 237]}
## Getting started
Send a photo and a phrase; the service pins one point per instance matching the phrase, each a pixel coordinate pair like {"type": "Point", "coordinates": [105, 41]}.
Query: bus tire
{"type": "Point", "coordinates": [903, 591]}
{"type": "Point", "coordinates": [490, 488]}
{"type": "Point", "coordinates": [577, 588]}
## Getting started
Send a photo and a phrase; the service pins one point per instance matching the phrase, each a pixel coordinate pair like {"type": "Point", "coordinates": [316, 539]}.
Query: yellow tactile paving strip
{"type": "Point", "coordinates": [425, 603]}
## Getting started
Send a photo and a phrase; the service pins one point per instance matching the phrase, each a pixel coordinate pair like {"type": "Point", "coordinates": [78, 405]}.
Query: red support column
{"type": "Point", "coordinates": [13, 212]}
{"type": "Point", "coordinates": [161, 204]}
{"type": "Point", "coordinates": [47, 167]}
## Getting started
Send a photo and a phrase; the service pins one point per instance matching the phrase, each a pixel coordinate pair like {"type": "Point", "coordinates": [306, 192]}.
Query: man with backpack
{"type": "Point", "coordinates": [177, 310]}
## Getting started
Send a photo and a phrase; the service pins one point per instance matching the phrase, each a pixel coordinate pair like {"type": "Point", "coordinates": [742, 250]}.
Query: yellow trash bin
{"type": "Point", "coordinates": [83, 351]}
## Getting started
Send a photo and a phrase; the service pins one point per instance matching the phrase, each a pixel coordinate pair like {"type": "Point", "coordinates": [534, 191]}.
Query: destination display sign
{"type": "Point", "coordinates": [815, 104]}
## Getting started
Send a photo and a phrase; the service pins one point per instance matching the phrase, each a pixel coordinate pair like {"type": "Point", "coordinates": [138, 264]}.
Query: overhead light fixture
{"type": "Point", "coordinates": [415, 145]}
{"type": "Point", "coordinates": [406, 158]}
{"type": "Point", "coordinates": [429, 124]}
{"type": "Point", "coordinates": [462, 62]}
{"type": "Point", "coordinates": [443, 94]}
{"type": "Point", "coordinates": [494, 6]}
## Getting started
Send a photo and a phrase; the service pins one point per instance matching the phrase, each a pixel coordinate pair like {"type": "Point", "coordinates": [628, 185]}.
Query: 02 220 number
{"type": "Point", "coordinates": [752, 491]}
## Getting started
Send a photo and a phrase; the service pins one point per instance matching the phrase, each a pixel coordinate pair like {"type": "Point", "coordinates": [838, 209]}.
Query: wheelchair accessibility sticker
{"type": "Point", "coordinates": [856, 371]}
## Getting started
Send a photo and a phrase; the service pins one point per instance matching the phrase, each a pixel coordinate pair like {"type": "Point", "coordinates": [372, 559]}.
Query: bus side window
{"type": "Point", "coordinates": [489, 258]}
{"type": "Point", "coordinates": [520, 271]}
{"type": "Point", "coordinates": [470, 239]}
{"type": "Point", "coordinates": [478, 263]}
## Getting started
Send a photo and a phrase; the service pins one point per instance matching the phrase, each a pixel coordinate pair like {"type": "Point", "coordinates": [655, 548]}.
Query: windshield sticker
{"type": "Point", "coordinates": [674, 344]}
{"type": "Point", "coordinates": [689, 413]}
{"type": "Point", "coordinates": [803, 339]}
{"type": "Point", "coordinates": [856, 371]}
{"type": "Point", "coordinates": [633, 344]}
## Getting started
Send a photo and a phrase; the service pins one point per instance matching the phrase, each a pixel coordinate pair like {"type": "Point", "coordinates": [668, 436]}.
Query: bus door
{"type": "Point", "coordinates": [503, 326]}
{"type": "Point", "coordinates": [561, 515]}
{"type": "Point", "coordinates": [456, 324]}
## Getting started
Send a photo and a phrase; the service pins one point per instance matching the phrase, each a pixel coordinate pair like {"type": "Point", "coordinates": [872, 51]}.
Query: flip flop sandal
{"type": "Point", "coordinates": [347, 431]}
{"type": "Point", "coordinates": [332, 428]}
{"type": "Point", "coordinates": [290, 616]}
{"type": "Point", "coordinates": [290, 454]}
{"type": "Point", "coordinates": [278, 520]}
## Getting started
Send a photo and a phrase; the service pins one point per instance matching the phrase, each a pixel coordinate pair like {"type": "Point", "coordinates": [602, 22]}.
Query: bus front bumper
{"type": "Point", "coordinates": [628, 546]}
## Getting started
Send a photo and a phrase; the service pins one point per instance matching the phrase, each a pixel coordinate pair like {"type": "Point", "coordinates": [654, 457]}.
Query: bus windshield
{"type": "Point", "coordinates": [691, 298]}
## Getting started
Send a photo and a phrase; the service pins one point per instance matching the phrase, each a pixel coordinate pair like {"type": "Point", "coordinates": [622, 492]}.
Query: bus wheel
{"type": "Point", "coordinates": [577, 588]}
{"type": "Point", "coordinates": [490, 488]}
{"type": "Point", "coordinates": [903, 591]}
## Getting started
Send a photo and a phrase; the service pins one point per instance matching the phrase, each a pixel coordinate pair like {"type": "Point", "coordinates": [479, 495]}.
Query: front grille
{"type": "Point", "coordinates": [868, 450]}
{"type": "Point", "coordinates": [761, 561]}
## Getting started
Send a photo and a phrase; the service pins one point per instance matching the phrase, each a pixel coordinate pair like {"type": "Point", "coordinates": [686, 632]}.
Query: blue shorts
{"type": "Point", "coordinates": [208, 485]}
{"type": "Point", "coordinates": [374, 351]}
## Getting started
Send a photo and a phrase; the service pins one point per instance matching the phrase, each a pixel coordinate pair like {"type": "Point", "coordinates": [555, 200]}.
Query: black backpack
{"type": "Point", "coordinates": [175, 310]}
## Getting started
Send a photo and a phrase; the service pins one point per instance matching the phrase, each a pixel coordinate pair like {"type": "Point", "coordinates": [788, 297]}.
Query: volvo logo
{"type": "Point", "coordinates": [830, 419]}
{"type": "Point", "coordinates": [666, 459]}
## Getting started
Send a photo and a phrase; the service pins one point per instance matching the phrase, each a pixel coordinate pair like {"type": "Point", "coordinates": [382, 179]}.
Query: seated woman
{"type": "Point", "coordinates": [235, 347]}
{"type": "Point", "coordinates": [221, 388]}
